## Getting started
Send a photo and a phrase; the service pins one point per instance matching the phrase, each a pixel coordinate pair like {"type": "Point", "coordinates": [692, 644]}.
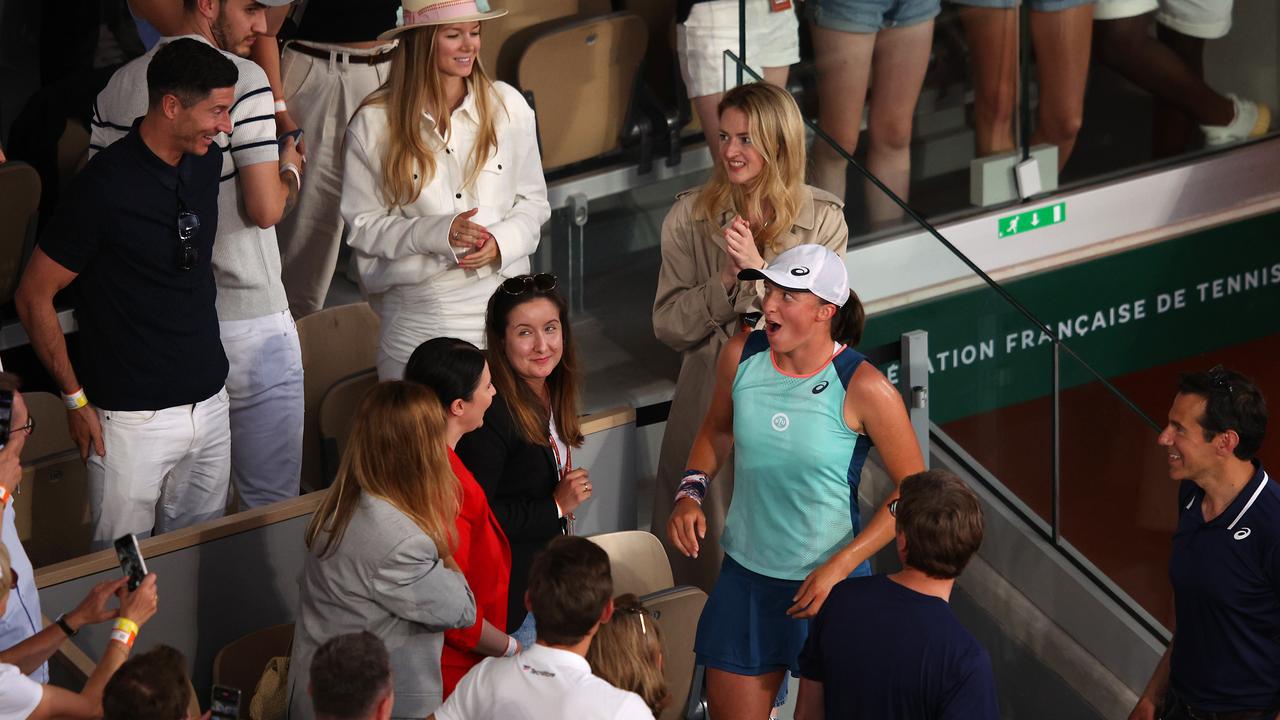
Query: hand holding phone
{"type": "Point", "coordinates": [131, 562]}
{"type": "Point", "coordinates": [295, 134]}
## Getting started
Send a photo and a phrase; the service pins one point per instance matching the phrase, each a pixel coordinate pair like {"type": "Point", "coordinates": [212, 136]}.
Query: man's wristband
{"type": "Point", "coordinates": [293, 169]}
{"type": "Point", "coordinates": [75, 400]}
{"type": "Point", "coordinates": [512, 646]}
{"type": "Point", "coordinates": [62, 623]}
{"type": "Point", "coordinates": [281, 107]}
{"type": "Point", "coordinates": [125, 632]}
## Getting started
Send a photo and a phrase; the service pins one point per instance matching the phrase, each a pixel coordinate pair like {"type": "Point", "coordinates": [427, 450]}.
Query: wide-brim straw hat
{"type": "Point", "coordinates": [425, 13]}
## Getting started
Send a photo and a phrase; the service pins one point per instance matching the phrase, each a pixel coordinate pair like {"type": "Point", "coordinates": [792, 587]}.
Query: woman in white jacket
{"type": "Point", "coordinates": [442, 190]}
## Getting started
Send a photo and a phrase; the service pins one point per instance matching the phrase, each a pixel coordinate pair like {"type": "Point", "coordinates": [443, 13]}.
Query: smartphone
{"type": "Point", "coordinates": [295, 134]}
{"type": "Point", "coordinates": [131, 561]}
{"type": "Point", "coordinates": [225, 703]}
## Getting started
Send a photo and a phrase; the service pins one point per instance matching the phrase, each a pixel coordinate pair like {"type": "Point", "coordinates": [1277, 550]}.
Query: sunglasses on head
{"type": "Point", "coordinates": [639, 611]}
{"type": "Point", "coordinates": [1218, 379]}
{"type": "Point", "coordinates": [521, 284]}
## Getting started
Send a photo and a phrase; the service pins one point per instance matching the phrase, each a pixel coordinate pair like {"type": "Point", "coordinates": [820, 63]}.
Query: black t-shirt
{"type": "Point", "coordinates": [881, 650]}
{"type": "Point", "coordinates": [148, 330]}
{"type": "Point", "coordinates": [1226, 590]}
{"type": "Point", "coordinates": [341, 21]}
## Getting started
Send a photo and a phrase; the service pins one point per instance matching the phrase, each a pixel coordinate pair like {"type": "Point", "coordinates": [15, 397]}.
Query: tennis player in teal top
{"type": "Point", "coordinates": [800, 407]}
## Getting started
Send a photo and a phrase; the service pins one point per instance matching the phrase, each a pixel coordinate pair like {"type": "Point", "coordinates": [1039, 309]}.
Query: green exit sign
{"type": "Point", "coordinates": [1032, 220]}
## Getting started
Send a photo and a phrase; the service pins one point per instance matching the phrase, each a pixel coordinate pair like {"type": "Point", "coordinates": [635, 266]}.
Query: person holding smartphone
{"type": "Point", "coordinates": [442, 186]}
{"type": "Point", "coordinates": [523, 454]}
{"type": "Point", "coordinates": [754, 206]}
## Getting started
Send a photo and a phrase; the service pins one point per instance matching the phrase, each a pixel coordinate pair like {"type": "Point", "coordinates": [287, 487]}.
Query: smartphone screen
{"type": "Point", "coordinates": [131, 560]}
{"type": "Point", "coordinates": [225, 703]}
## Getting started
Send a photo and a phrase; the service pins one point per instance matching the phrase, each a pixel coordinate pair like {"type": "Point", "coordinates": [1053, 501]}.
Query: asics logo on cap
{"type": "Point", "coordinates": [800, 271]}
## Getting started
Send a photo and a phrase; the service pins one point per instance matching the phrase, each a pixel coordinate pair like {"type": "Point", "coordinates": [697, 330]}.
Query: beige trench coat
{"type": "Point", "coordinates": [694, 315]}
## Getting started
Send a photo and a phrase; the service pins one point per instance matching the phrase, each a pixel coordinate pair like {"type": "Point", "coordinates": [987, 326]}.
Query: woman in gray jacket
{"type": "Point", "coordinates": [380, 550]}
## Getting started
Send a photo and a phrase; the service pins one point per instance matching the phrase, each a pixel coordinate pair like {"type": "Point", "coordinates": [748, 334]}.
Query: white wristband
{"type": "Point", "coordinates": [75, 400]}
{"type": "Point", "coordinates": [512, 647]}
{"type": "Point", "coordinates": [281, 107]}
{"type": "Point", "coordinates": [297, 174]}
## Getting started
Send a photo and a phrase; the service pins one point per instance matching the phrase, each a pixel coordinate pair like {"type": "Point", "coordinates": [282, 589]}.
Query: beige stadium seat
{"type": "Point", "coordinates": [19, 201]}
{"type": "Point", "coordinates": [53, 509]}
{"type": "Point", "coordinates": [589, 66]}
{"type": "Point", "coordinates": [637, 560]}
{"type": "Point", "coordinates": [676, 611]}
{"type": "Point", "coordinates": [337, 342]}
{"type": "Point", "coordinates": [337, 408]}
{"type": "Point", "coordinates": [240, 663]}
{"type": "Point", "coordinates": [506, 37]}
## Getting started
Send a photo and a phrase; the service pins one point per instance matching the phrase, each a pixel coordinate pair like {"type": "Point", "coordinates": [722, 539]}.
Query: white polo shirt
{"type": "Point", "coordinates": [540, 682]}
{"type": "Point", "coordinates": [19, 694]}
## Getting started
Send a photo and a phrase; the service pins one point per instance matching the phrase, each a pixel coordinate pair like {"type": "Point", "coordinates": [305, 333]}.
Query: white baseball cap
{"type": "Point", "coordinates": [811, 268]}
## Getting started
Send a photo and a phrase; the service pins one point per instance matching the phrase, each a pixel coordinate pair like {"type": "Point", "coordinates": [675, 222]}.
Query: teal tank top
{"type": "Point", "coordinates": [796, 465]}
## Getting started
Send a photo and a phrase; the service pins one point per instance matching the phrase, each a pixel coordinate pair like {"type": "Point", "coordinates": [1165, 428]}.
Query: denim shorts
{"type": "Point", "coordinates": [1036, 5]}
{"type": "Point", "coordinates": [869, 16]}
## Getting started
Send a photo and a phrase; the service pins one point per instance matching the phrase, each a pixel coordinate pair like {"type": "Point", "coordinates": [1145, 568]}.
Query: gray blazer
{"type": "Point", "coordinates": [385, 577]}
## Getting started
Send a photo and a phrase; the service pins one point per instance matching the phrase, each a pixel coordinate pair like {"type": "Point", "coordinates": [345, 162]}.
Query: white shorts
{"type": "Point", "coordinates": [1206, 19]}
{"type": "Point", "coordinates": [773, 40]}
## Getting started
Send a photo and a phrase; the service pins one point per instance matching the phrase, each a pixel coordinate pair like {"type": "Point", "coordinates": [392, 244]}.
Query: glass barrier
{"type": "Point", "coordinates": [943, 100]}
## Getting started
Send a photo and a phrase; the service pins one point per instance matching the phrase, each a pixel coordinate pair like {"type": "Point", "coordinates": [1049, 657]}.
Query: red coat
{"type": "Point", "coordinates": [484, 557]}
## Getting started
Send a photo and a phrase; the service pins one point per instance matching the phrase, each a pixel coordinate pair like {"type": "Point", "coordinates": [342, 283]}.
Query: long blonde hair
{"type": "Point", "coordinates": [777, 131]}
{"type": "Point", "coordinates": [627, 653]}
{"type": "Point", "coordinates": [415, 85]}
{"type": "Point", "coordinates": [396, 452]}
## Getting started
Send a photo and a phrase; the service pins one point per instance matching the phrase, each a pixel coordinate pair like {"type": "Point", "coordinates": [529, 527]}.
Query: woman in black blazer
{"type": "Point", "coordinates": [523, 455]}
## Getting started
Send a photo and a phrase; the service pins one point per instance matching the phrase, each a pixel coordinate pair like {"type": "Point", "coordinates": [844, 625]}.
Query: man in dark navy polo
{"type": "Point", "coordinates": [136, 232]}
{"type": "Point", "coordinates": [1224, 660]}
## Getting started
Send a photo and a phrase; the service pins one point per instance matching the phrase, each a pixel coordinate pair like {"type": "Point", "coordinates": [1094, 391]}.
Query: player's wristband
{"type": "Point", "coordinates": [694, 486]}
{"type": "Point", "coordinates": [293, 170]}
{"type": "Point", "coordinates": [5, 497]}
{"type": "Point", "coordinates": [512, 646]}
{"type": "Point", "coordinates": [125, 632]}
{"type": "Point", "coordinates": [75, 400]}
{"type": "Point", "coordinates": [281, 107]}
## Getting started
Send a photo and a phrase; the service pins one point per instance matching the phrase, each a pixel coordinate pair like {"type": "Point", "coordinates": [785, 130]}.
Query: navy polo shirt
{"type": "Point", "coordinates": [1226, 586]}
{"type": "Point", "coordinates": [148, 331]}
{"type": "Point", "coordinates": [882, 650]}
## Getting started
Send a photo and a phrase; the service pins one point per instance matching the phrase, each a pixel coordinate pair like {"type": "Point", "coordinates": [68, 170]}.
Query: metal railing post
{"type": "Point", "coordinates": [913, 383]}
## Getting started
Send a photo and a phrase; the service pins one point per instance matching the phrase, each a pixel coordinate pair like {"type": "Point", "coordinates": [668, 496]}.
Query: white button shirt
{"type": "Point", "coordinates": [410, 245]}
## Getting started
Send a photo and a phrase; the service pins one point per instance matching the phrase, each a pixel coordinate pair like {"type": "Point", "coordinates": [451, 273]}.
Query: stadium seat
{"type": "Point", "coordinates": [676, 610]}
{"type": "Point", "coordinates": [19, 202]}
{"type": "Point", "coordinates": [337, 342]}
{"type": "Point", "coordinates": [240, 663]}
{"type": "Point", "coordinates": [55, 494]}
{"type": "Point", "coordinates": [590, 65]}
{"type": "Point", "coordinates": [506, 37]}
{"type": "Point", "coordinates": [336, 410]}
{"type": "Point", "coordinates": [638, 561]}
{"type": "Point", "coordinates": [73, 152]}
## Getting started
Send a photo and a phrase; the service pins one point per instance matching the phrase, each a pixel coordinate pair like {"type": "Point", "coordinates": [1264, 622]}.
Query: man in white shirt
{"type": "Point", "coordinates": [264, 382]}
{"type": "Point", "coordinates": [571, 594]}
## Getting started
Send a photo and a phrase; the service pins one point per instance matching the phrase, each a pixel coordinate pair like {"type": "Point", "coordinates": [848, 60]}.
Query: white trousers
{"type": "Point", "coordinates": [163, 469]}
{"type": "Point", "coordinates": [265, 388]}
{"type": "Point", "coordinates": [322, 96]}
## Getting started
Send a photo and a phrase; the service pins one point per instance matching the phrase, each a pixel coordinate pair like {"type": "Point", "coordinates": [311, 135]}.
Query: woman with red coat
{"type": "Point", "coordinates": [456, 370]}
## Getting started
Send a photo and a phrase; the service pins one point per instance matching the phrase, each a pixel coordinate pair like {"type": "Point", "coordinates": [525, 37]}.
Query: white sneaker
{"type": "Point", "coordinates": [1251, 120]}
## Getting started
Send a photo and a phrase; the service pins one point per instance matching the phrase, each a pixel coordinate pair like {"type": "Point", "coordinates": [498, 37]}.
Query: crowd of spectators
{"type": "Point", "coordinates": [442, 576]}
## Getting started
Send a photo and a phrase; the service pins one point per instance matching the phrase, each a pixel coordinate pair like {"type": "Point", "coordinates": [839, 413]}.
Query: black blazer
{"type": "Point", "coordinates": [518, 478]}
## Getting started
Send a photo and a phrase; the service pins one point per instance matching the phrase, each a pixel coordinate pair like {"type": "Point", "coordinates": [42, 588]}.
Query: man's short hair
{"type": "Point", "coordinates": [349, 675]}
{"type": "Point", "coordinates": [189, 70]}
{"type": "Point", "coordinates": [569, 586]}
{"type": "Point", "coordinates": [150, 686]}
{"type": "Point", "coordinates": [942, 521]}
{"type": "Point", "coordinates": [1232, 402]}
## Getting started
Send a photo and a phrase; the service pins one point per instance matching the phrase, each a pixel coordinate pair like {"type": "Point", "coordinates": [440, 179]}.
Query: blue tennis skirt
{"type": "Point", "coordinates": [745, 629]}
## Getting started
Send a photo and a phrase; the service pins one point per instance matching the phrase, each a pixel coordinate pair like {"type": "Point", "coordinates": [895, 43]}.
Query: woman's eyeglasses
{"type": "Point", "coordinates": [188, 226]}
{"type": "Point", "coordinates": [521, 284]}
{"type": "Point", "coordinates": [893, 507]}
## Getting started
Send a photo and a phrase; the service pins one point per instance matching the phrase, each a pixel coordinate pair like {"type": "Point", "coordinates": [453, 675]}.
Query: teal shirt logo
{"type": "Point", "coordinates": [780, 422]}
